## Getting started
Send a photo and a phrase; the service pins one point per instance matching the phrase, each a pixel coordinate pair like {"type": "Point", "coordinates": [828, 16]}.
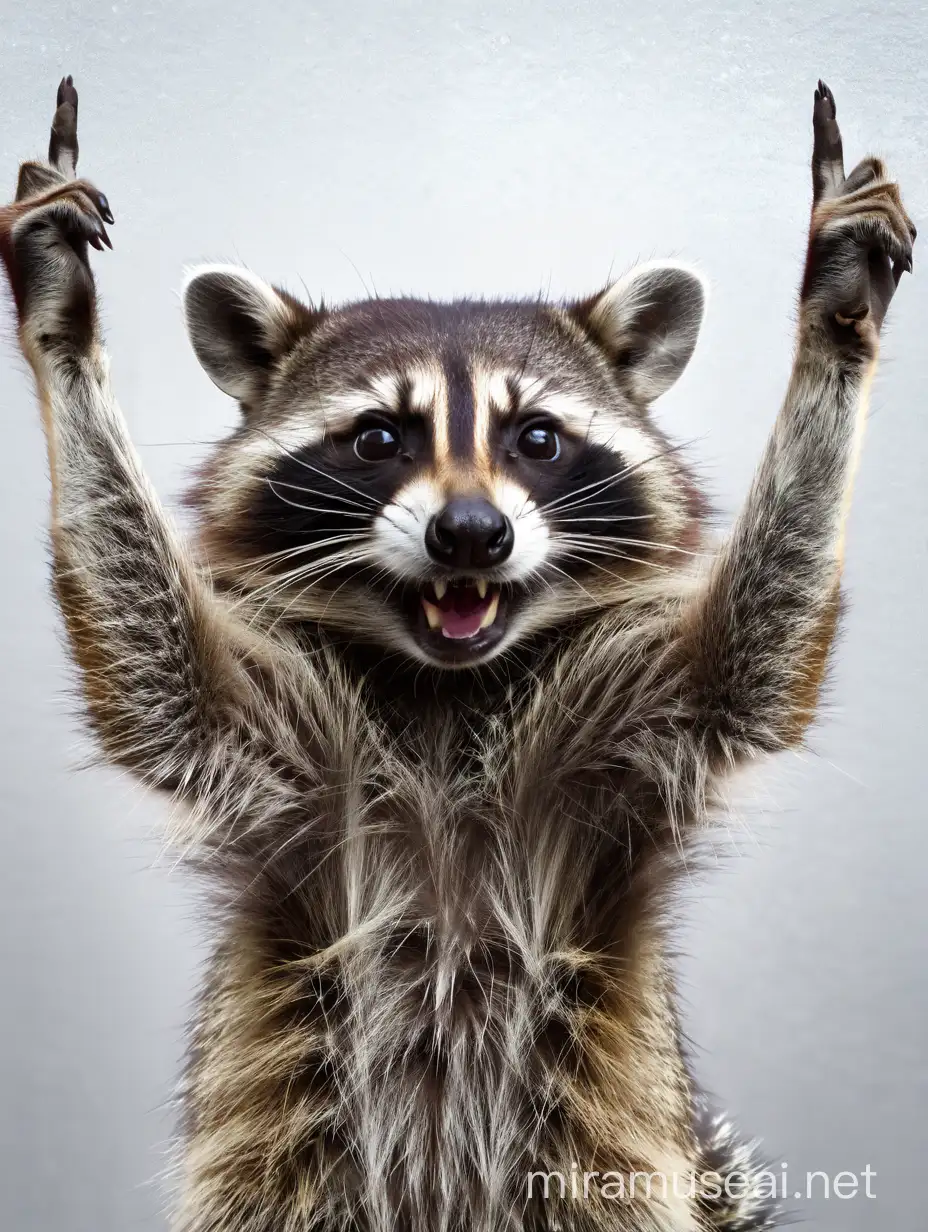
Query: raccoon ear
{"type": "Point", "coordinates": [240, 326]}
{"type": "Point", "coordinates": [648, 323]}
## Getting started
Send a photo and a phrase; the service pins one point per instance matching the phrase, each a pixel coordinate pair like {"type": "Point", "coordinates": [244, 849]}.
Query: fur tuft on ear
{"type": "Point", "coordinates": [240, 326]}
{"type": "Point", "coordinates": [648, 323]}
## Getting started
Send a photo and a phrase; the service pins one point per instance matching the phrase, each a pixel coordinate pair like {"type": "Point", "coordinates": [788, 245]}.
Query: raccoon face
{"type": "Point", "coordinates": [443, 479]}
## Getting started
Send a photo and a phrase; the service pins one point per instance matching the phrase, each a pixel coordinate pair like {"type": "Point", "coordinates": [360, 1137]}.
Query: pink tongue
{"type": "Point", "coordinates": [462, 624]}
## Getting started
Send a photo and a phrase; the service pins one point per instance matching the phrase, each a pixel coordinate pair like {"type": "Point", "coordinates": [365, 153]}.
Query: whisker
{"type": "Point", "coordinates": [360, 558]}
{"type": "Point", "coordinates": [365, 496]}
{"type": "Point", "coordinates": [578, 500]}
{"type": "Point", "coordinates": [298, 594]}
{"type": "Point", "coordinates": [370, 581]}
{"type": "Point", "coordinates": [615, 520]}
{"type": "Point", "coordinates": [326, 496]}
{"type": "Point", "coordinates": [597, 539]}
{"type": "Point", "coordinates": [602, 484]}
{"type": "Point", "coordinates": [366, 516]}
{"type": "Point", "coordinates": [315, 469]}
{"type": "Point", "coordinates": [342, 513]}
{"type": "Point", "coordinates": [619, 559]}
{"type": "Point", "coordinates": [549, 564]}
{"type": "Point", "coordinates": [245, 566]}
{"type": "Point", "coordinates": [580, 553]}
{"type": "Point", "coordinates": [282, 581]}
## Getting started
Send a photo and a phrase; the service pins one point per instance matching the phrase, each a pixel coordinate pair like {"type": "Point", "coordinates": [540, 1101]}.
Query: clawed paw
{"type": "Point", "coordinates": [861, 237]}
{"type": "Point", "coordinates": [45, 236]}
{"type": "Point", "coordinates": [45, 254]}
{"type": "Point", "coordinates": [71, 213]}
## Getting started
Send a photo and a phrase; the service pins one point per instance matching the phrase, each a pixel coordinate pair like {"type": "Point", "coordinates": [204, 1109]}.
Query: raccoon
{"type": "Point", "coordinates": [444, 692]}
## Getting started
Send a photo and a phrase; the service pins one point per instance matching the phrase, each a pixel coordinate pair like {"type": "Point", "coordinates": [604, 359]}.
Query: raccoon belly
{"type": "Point", "coordinates": [418, 1085]}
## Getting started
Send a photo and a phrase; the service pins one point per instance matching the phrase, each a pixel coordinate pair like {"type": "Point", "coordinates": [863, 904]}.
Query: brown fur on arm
{"type": "Point", "coordinates": [168, 676]}
{"type": "Point", "coordinates": [758, 637]}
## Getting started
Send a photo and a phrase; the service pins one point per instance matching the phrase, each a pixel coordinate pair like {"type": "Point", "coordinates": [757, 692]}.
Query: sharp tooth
{"type": "Point", "coordinates": [490, 614]}
{"type": "Point", "coordinates": [432, 614]}
{"type": "Point", "coordinates": [482, 587]}
{"type": "Point", "coordinates": [440, 587]}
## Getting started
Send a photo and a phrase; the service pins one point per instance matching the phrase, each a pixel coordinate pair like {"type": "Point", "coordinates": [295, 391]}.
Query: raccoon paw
{"type": "Point", "coordinates": [43, 246]}
{"type": "Point", "coordinates": [861, 238]}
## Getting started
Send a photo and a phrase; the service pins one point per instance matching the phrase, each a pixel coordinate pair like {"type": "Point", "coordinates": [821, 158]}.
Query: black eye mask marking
{"type": "Point", "coordinates": [322, 500]}
{"type": "Point", "coordinates": [326, 496]}
{"type": "Point", "coordinates": [589, 497]}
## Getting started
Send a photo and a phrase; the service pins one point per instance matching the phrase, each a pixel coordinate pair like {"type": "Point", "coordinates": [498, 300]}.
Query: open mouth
{"type": "Point", "coordinates": [460, 619]}
{"type": "Point", "coordinates": [460, 609]}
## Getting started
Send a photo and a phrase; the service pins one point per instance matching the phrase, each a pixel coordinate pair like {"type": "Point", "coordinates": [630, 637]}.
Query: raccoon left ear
{"type": "Point", "coordinates": [648, 323]}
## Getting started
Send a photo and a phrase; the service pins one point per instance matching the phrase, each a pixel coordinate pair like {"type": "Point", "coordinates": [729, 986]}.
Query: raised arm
{"type": "Point", "coordinates": [758, 637]}
{"type": "Point", "coordinates": [173, 687]}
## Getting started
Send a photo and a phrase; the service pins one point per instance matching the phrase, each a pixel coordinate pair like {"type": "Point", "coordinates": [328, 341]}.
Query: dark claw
{"type": "Point", "coordinates": [94, 242]}
{"type": "Point", "coordinates": [66, 92]}
{"type": "Point", "coordinates": [99, 234]}
{"type": "Point", "coordinates": [104, 207]}
{"type": "Point", "coordinates": [901, 267]}
{"type": "Point", "coordinates": [824, 95]}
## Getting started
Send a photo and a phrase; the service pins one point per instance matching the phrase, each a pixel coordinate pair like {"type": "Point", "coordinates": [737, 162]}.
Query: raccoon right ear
{"type": "Point", "coordinates": [240, 326]}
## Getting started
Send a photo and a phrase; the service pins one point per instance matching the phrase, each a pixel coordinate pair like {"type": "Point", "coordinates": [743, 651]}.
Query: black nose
{"type": "Point", "coordinates": [469, 533]}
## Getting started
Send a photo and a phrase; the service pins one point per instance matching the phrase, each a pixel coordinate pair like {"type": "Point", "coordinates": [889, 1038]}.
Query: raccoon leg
{"type": "Point", "coordinates": [759, 635]}
{"type": "Point", "coordinates": [163, 667]}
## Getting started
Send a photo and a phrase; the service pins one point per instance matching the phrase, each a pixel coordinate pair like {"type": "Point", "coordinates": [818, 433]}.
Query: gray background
{"type": "Point", "coordinates": [503, 148]}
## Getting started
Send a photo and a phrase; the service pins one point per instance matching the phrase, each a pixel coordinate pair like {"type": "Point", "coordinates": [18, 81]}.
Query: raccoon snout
{"type": "Point", "coordinates": [469, 533]}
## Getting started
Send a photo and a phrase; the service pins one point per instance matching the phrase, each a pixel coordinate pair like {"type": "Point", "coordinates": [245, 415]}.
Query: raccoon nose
{"type": "Point", "coordinates": [469, 533]}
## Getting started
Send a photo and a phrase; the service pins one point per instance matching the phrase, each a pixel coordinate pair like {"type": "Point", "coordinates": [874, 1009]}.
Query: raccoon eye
{"type": "Point", "coordinates": [541, 442]}
{"type": "Point", "coordinates": [377, 444]}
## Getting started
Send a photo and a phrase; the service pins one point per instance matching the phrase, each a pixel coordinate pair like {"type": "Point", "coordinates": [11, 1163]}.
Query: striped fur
{"type": "Point", "coordinates": [440, 896]}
